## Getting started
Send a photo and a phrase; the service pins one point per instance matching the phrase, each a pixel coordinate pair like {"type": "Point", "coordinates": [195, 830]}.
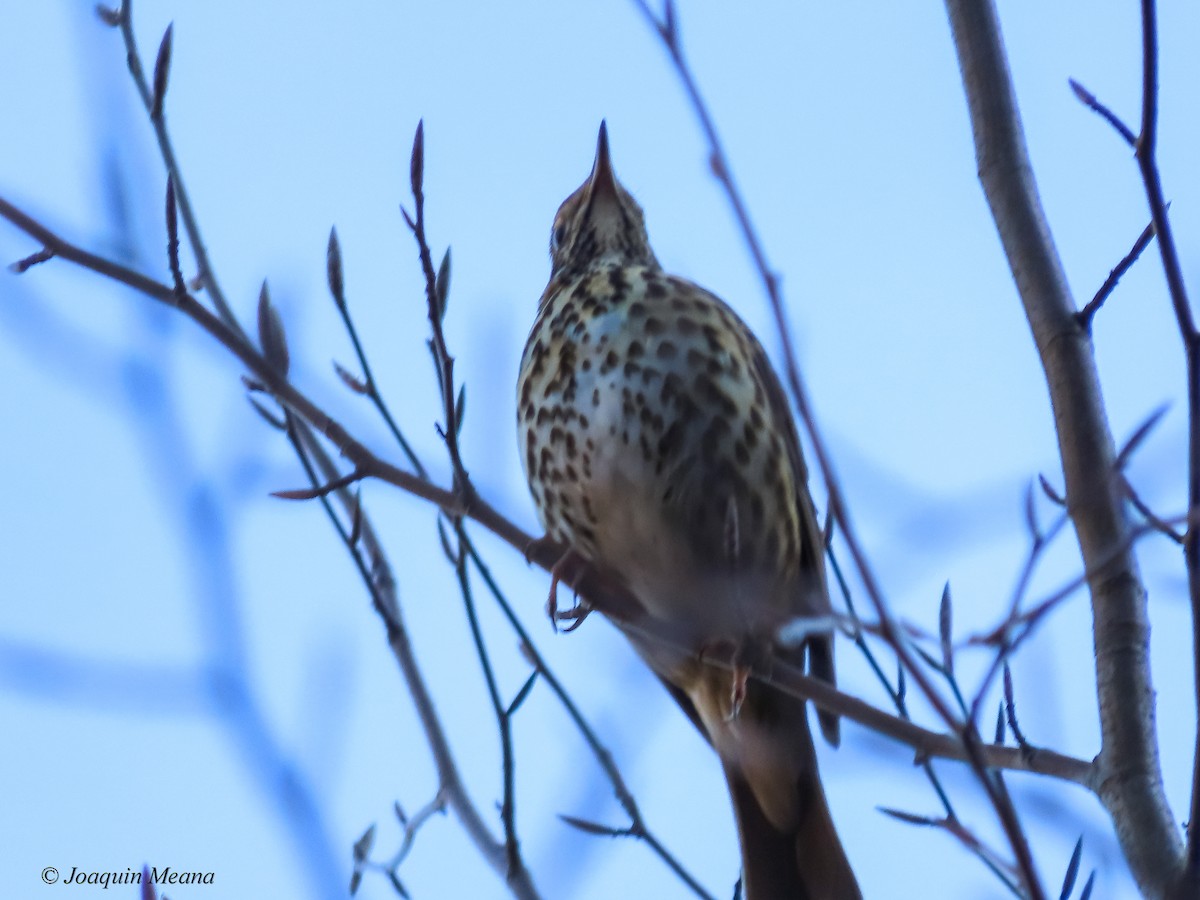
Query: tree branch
{"type": "Point", "coordinates": [608, 598]}
{"type": "Point", "coordinates": [1131, 782]}
{"type": "Point", "coordinates": [1147, 143]}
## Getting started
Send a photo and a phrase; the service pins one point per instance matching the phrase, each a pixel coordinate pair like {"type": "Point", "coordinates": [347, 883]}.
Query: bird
{"type": "Point", "coordinates": [661, 452]}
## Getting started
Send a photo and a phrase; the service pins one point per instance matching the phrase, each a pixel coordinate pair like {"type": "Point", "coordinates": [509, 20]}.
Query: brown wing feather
{"type": "Point", "coordinates": [813, 588]}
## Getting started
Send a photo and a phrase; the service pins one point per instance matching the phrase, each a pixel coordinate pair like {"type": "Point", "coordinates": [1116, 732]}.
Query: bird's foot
{"type": "Point", "coordinates": [567, 567]}
{"type": "Point", "coordinates": [575, 615]}
{"type": "Point", "coordinates": [737, 657]}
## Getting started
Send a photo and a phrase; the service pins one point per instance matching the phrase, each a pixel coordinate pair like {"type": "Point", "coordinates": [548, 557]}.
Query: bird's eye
{"type": "Point", "coordinates": [557, 236]}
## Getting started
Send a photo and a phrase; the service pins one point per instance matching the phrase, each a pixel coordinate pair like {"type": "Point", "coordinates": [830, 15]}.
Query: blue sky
{"type": "Point", "coordinates": [140, 546]}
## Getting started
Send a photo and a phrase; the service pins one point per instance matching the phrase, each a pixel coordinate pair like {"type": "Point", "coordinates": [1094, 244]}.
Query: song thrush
{"type": "Point", "coordinates": [659, 447]}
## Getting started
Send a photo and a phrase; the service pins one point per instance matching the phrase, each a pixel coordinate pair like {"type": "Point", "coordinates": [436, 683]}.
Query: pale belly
{"type": "Point", "coordinates": [651, 451]}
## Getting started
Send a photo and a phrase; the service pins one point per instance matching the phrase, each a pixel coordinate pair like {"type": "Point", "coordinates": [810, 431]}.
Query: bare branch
{"type": "Point", "coordinates": [1132, 787]}
{"type": "Point", "coordinates": [190, 223]}
{"type": "Point", "coordinates": [1188, 881]}
{"type": "Point", "coordinates": [1153, 519]}
{"type": "Point", "coordinates": [1085, 315]}
{"type": "Point", "coordinates": [24, 265]}
{"type": "Point", "coordinates": [173, 239]}
{"type": "Point", "coordinates": [1089, 100]}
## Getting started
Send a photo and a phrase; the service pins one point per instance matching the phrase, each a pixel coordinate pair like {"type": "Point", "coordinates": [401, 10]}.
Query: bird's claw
{"type": "Point", "coordinates": [567, 565]}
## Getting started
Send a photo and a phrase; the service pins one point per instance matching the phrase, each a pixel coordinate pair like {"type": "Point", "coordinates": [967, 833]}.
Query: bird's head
{"type": "Point", "coordinates": [599, 224]}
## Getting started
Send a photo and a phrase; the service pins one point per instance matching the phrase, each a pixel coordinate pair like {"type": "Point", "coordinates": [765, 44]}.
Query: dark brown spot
{"type": "Point", "coordinates": [713, 336]}
{"type": "Point", "coordinates": [666, 350]}
{"type": "Point", "coordinates": [644, 443]}
{"type": "Point", "coordinates": [669, 442]}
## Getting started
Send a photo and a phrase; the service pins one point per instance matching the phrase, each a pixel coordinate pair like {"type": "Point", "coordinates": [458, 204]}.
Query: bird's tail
{"type": "Point", "coordinates": [790, 848]}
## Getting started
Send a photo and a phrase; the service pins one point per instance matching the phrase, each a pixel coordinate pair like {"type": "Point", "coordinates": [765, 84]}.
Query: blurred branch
{"type": "Point", "coordinates": [1131, 781]}
{"type": "Point", "coordinates": [70, 678]}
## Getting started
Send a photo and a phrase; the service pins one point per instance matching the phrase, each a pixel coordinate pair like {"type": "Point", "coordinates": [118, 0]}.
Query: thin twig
{"type": "Point", "coordinates": [376, 574]}
{"type": "Point", "coordinates": [1089, 100]}
{"type": "Point", "coordinates": [167, 151]}
{"type": "Point", "coordinates": [896, 694]}
{"type": "Point", "coordinates": [1085, 315]}
{"type": "Point", "coordinates": [1152, 518]}
{"type": "Point", "coordinates": [500, 708]}
{"type": "Point", "coordinates": [338, 290]}
{"type": "Point", "coordinates": [436, 309]}
{"type": "Point", "coordinates": [638, 826]}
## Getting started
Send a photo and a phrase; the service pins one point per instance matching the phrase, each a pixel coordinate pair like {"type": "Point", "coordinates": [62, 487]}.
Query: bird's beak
{"type": "Point", "coordinates": [603, 180]}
